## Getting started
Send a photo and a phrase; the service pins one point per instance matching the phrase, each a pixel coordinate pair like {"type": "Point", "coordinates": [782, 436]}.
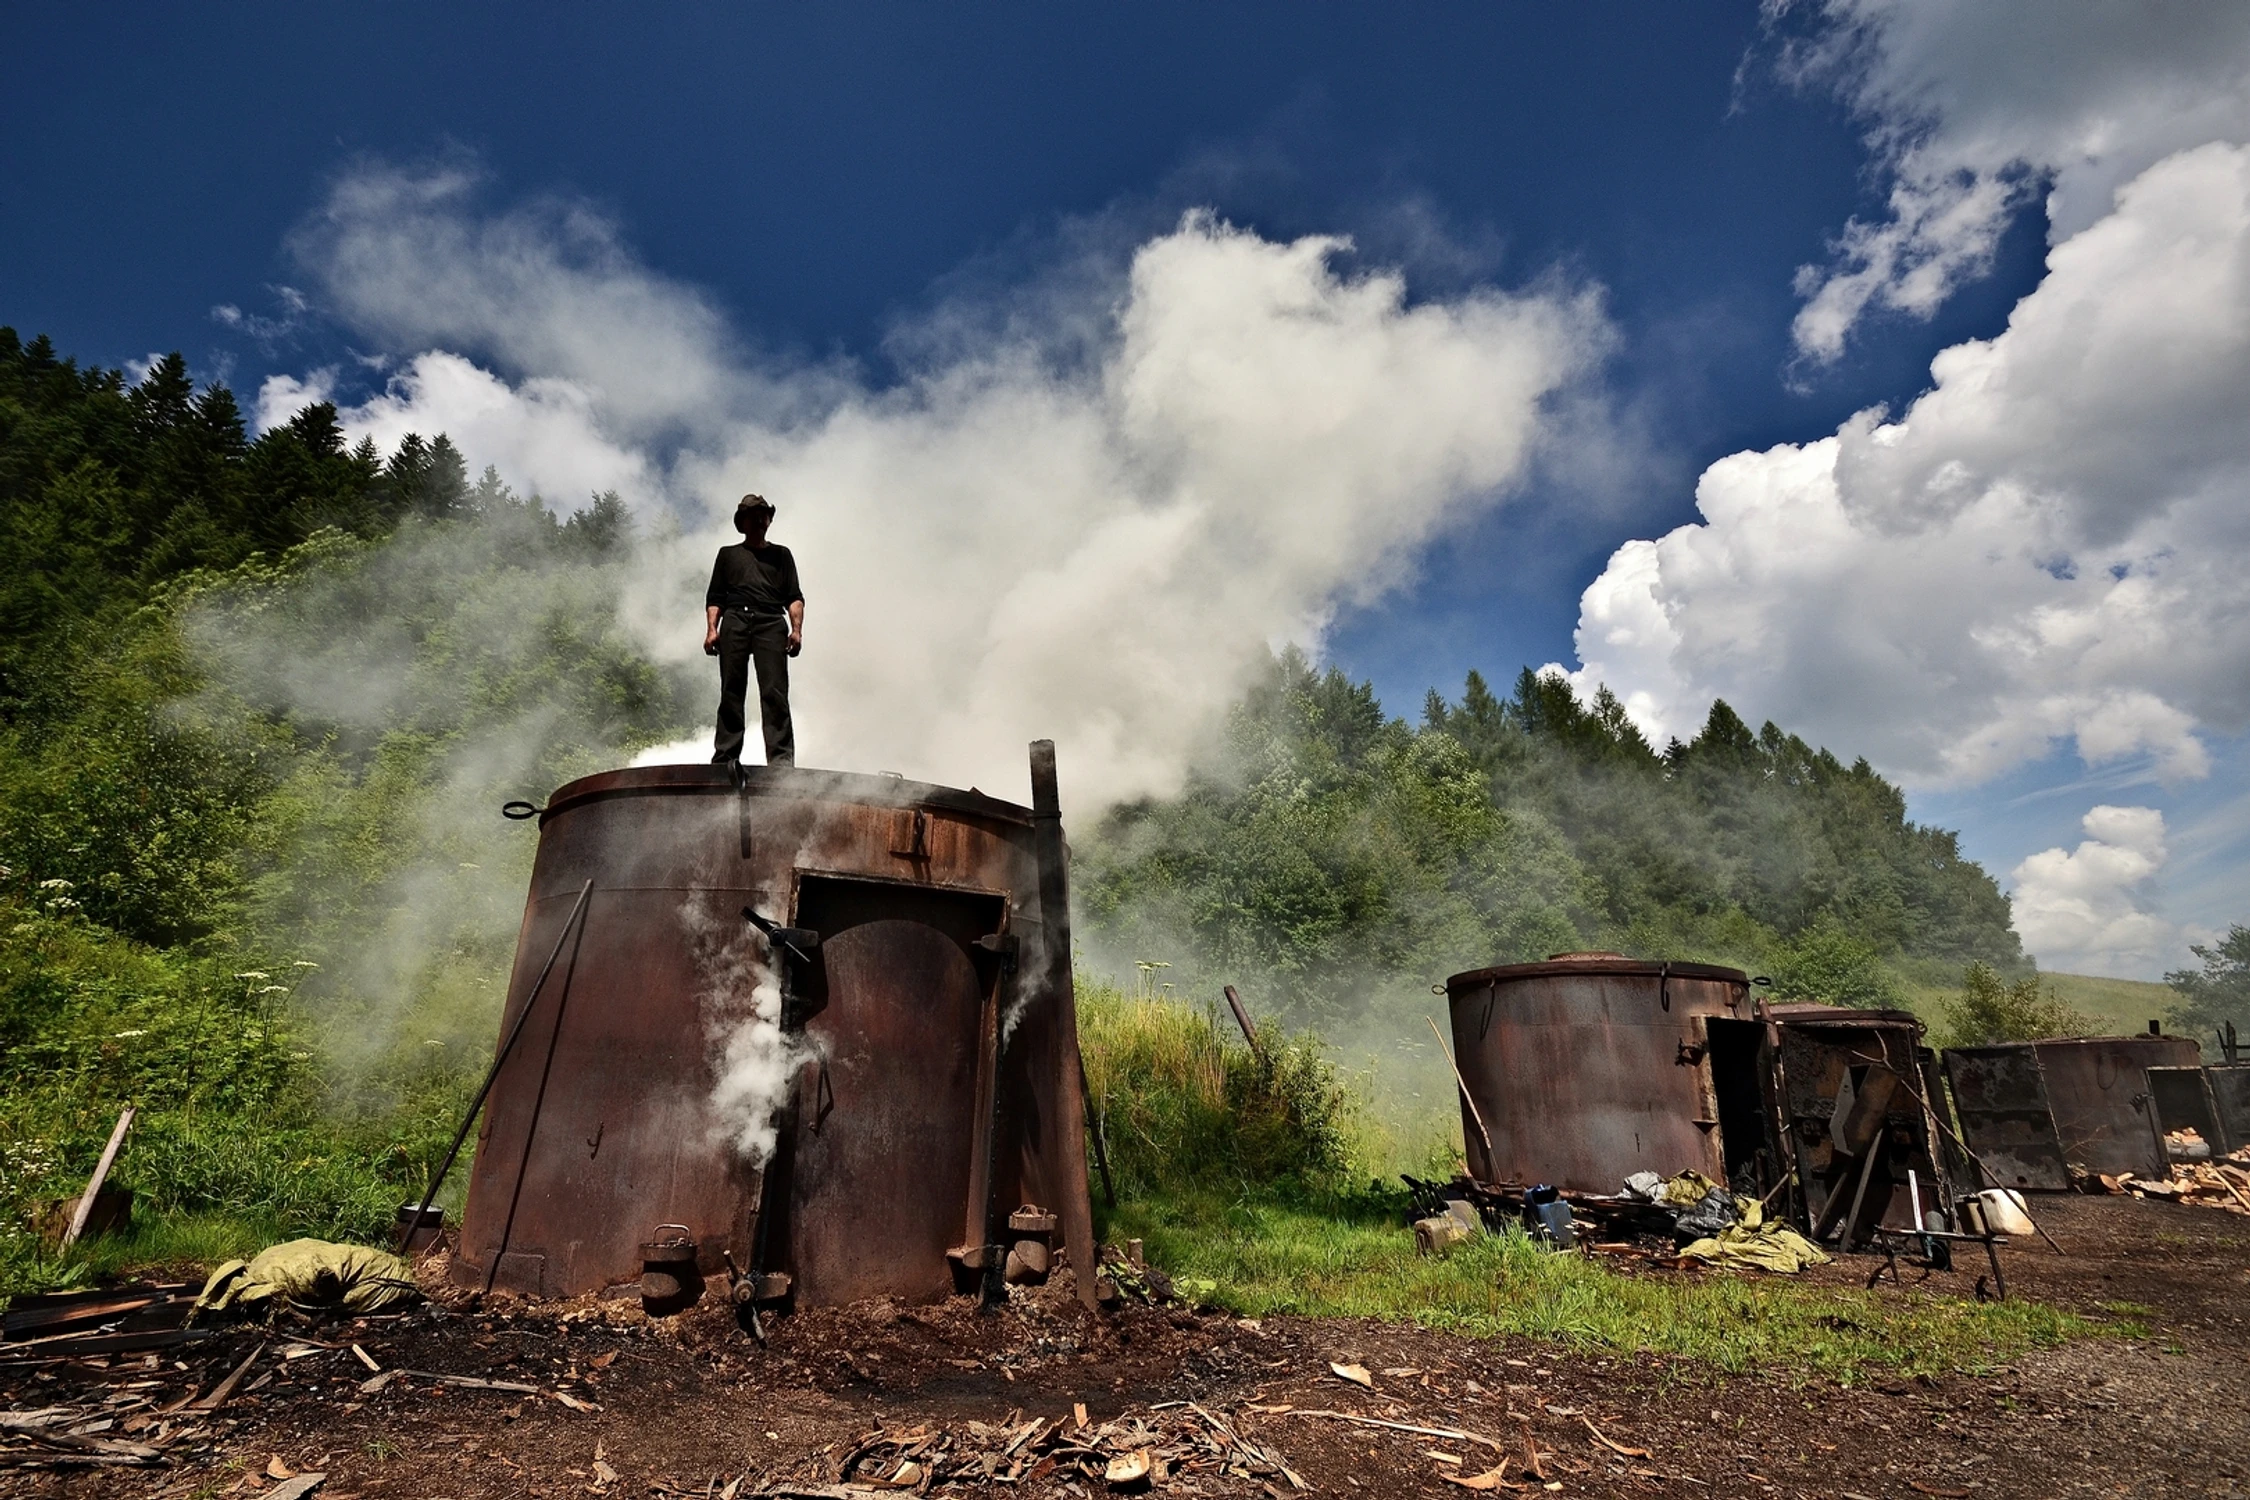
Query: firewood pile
{"type": "Point", "coordinates": [1170, 1444]}
{"type": "Point", "coordinates": [2222, 1183]}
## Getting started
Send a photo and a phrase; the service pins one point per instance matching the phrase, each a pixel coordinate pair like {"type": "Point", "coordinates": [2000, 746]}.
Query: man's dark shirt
{"type": "Point", "coordinates": [762, 580]}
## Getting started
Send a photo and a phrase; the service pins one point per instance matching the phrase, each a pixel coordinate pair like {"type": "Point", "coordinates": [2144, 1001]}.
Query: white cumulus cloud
{"type": "Point", "coordinates": [1037, 531]}
{"type": "Point", "coordinates": [1973, 109]}
{"type": "Point", "coordinates": [2085, 909]}
{"type": "Point", "coordinates": [2052, 544]}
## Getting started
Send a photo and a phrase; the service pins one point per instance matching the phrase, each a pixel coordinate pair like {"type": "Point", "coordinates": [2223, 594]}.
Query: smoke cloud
{"type": "Point", "coordinates": [416, 685]}
{"type": "Point", "coordinates": [1085, 513]}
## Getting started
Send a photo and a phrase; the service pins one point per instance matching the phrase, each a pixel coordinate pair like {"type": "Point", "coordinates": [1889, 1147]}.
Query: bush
{"type": "Point", "coordinates": [235, 1118]}
{"type": "Point", "coordinates": [1989, 1009]}
{"type": "Point", "coordinates": [1182, 1109]}
{"type": "Point", "coordinates": [1830, 965]}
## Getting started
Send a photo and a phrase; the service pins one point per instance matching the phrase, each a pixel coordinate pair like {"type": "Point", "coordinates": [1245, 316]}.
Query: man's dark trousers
{"type": "Point", "coordinates": [762, 642]}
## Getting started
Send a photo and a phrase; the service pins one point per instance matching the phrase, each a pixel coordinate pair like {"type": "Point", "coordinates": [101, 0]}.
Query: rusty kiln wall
{"type": "Point", "coordinates": [1589, 1067]}
{"type": "Point", "coordinates": [2034, 1112]}
{"type": "Point", "coordinates": [602, 1123]}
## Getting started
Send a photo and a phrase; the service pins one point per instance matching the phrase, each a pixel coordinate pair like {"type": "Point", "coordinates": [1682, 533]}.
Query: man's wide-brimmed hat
{"type": "Point", "coordinates": [754, 502]}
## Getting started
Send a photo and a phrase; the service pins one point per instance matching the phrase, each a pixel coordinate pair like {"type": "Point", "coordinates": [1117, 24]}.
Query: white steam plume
{"type": "Point", "coordinates": [752, 1058]}
{"type": "Point", "coordinates": [1084, 519]}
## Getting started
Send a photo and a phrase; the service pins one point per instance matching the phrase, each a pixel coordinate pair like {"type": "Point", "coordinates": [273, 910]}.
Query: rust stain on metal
{"type": "Point", "coordinates": [909, 1118]}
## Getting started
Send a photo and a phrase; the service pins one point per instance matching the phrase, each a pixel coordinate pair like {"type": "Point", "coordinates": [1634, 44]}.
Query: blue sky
{"type": "Point", "coordinates": [830, 185]}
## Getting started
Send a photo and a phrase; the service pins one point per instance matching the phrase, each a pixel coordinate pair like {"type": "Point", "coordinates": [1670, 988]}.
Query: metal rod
{"type": "Point", "coordinates": [531, 1126]}
{"type": "Point", "coordinates": [1831, 1215]}
{"type": "Point", "coordinates": [1474, 1113]}
{"type": "Point", "coordinates": [85, 1208]}
{"type": "Point", "coordinates": [406, 1233]}
{"type": "Point", "coordinates": [984, 1146]}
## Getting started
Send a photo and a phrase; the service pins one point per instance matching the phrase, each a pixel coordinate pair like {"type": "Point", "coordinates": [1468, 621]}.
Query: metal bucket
{"type": "Point", "coordinates": [670, 1282]}
{"type": "Point", "coordinates": [412, 1236]}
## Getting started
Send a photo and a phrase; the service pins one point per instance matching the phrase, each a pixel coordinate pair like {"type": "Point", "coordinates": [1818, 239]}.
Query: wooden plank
{"type": "Point", "coordinates": [101, 1172]}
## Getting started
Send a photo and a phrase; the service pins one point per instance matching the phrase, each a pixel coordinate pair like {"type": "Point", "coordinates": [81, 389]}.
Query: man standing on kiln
{"type": "Point", "coordinates": [754, 615]}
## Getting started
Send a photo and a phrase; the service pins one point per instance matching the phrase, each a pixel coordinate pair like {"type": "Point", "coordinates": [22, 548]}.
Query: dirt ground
{"type": "Point", "coordinates": [687, 1406]}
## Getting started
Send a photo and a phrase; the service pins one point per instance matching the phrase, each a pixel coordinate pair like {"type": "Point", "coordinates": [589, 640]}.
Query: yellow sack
{"type": "Point", "coordinates": [311, 1273]}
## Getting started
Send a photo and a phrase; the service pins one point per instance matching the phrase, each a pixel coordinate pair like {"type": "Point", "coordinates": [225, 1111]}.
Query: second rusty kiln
{"type": "Point", "coordinates": [1590, 1067]}
{"type": "Point", "coordinates": [928, 1088]}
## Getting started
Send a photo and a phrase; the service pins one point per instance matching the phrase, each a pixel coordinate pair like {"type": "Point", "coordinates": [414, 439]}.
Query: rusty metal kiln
{"type": "Point", "coordinates": [2035, 1112]}
{"type": "Point", "coordinates": [925, 1078]}
{"type": "Point", "coordinates": [1591, 1067]}
{"type": "Point", "coordinates": [1857, 1098]}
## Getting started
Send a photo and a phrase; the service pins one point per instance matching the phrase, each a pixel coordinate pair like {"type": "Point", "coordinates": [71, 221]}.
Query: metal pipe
{"type": "Point", "coordinates": [1053, 976]}
{"type": "Point", "coordinates": [406, 1235]}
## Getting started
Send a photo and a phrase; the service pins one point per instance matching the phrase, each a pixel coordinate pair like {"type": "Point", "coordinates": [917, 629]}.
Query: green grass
{"type": "Point", "coordinates": [1183, 1104]}
{"type": "Point", "coordinates": [1358, 1262]}
{"type": "Point", "coordinates": [2123, 1006]}
{"type": "Point", "coordinates": [180, 1245]}
{"type": "Point", "coordinates": [1243, 1174]}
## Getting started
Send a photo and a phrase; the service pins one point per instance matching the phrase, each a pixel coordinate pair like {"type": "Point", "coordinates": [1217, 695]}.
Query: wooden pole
{"type": "Point", "coordinates": [1474, 1113]}
{"type": "Point", "coordinates": [1242, 1019]}
{"type": "Point", "coordinates": [94, 1184]}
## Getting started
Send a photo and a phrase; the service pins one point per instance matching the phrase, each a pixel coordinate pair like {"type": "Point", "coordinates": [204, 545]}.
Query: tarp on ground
{"type": "Point", "coordinates": [311, 1273]}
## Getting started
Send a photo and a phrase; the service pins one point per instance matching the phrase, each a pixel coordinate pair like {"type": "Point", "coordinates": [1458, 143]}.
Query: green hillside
{"type": "Point", "coordinates": [2122, 1006]}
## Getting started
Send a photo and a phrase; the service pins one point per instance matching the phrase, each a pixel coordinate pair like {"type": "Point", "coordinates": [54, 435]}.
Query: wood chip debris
{"type": "Point", "coordinates": [1126, 1454]}
{"type": "Point", "coordinates": [1611, 1444]}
